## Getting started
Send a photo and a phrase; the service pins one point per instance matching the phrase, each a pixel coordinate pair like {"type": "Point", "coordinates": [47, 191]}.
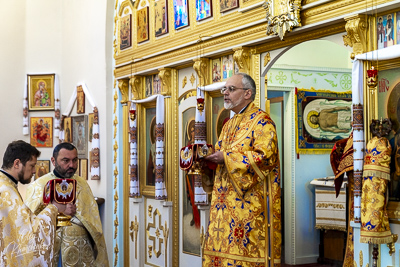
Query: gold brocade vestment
{"type": "Point", "coordinates": [241, 231]}
{"type": "Point", "coordinates": [25, 239]}
{"type": "Point", "coordinates": [75, 242]}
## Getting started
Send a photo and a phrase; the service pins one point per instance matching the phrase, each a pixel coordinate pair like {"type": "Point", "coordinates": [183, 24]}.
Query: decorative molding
{"type": "Point", "coordinates": [361, 258]}
{"type": "Point", "coordinates": [134, 228]}
{"type": "Point", "coordinates": [187, 94]}
{"type": "Point", "coordinates": [116, 251]}
{"type": "Point", "coordinates": [136, 87]}
{"type": "Point", "coordinates": [116, 198]}
{"type": "Point", "coordinates": [166, 234]}
{"type": "Point", "coordinates": [115, 177]}
{"type": "Point", "coordinates": [356, 37]}
{"type": "Point", "coordinates": [115, 101]}
{"type": "Point", "coordinates": [229, 41]}
{"type": "Point", "coordinates": [123, 85]}
{"type": "Point", "coordinates": [115, 123]}
{"type": "Point", "coordinates": [116, 223]}
{"type": "Point", "coordinates": [184, 82]}
{"type": "Point", "coordinates": [201, 66]}
{"type": "Point", "coordinates": [267, 59]}
{"type": "Point", "coordinates": [242, 57]}
{"type": "Point", "coordinates": [115, 147]}
{"type": "Point", "coordinates": [156, 247]}
{"type": "Point", "coordinates": [165, 77]}
{"type": "Point", "coordinates": [192, 79]}
{"type": "Point", "coordinates": [281, 22]}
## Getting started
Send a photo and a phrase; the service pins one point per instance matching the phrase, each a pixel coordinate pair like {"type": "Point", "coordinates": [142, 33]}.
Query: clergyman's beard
{"type": "Point", "coordinates": [21, 177]}
{"type": "Point", "coordinates": [231, 105]}
{"type": "Point", "coordinates": [64, 172]}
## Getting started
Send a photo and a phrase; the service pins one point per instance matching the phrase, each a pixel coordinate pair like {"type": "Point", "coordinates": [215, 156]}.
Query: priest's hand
{"type": "Point", "coordinates": [217, 157]}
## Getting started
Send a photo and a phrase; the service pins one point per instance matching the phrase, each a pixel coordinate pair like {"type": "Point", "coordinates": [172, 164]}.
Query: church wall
{"type": "Point", "coordinates": [63, 37]}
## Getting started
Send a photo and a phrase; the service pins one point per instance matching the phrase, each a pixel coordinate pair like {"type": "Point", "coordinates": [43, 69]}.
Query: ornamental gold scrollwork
{"type": "Point", "coordinates": [115, 177]}
{"type": "Point", "coordinates": [115, 122]}
{"type": "Point", "coordinates": [361, 258]}
{"type": "Point", "coordinates": [165, 77]}
{"type": "Point", "coordinates": [267, 59]}
{"type": "Point", "coordinates": [115, 101]}
{"type": "Point", "coordinates": [192, 79]}
{"type": "Point", "coordinates": [123, 85]}
{"type": "Point", "coordinates": [134, 231]}
{"type": "Point", "coordinates": [156, 214]}
{"type": "Point", "coordinates": [116, 251]}
{"type": "Point", "coordinates": [115, 151]}
{"type": "Point", "coordinates": [356, 37]}
{"type": "Point", "coordinates": [282, 17]}
{"type": "Point", "coordinates": [201, 66]}
{"type": "Point", "coordinates": [116, 202]}
{"type": "Point", "coordinates": [242, 57]}
{"type": "Point", "coordinates": [184, 82]}
{"type": "Point", "coordinates": [116, 223]}
{"type": "Point", "coordinates": [136, 86]}
{"type": "Point", "coordinates": [166, 234]}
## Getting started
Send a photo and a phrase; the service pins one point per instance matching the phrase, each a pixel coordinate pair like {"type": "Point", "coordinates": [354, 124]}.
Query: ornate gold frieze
{"type": "Point", "coordinates": [136, 87]}
{"type": "Point", "coordinates": [134, 231]}
{"type": "Point", "coordinates": [201, 66]}
{"type": "Point", "coordinates": [187, 94]}
{"type": "Point", "coordinates": [123, 85]}
{"type": "Point", "coordinates": [230, 41]}
{"type": "Point", "coordinates": [356, 37]}
{"type": "Point", "coordinates": [242, 57]}
{"type": "Point", "coordinates": [282, 17]}
{"type": "Point", "coordinates": [165, 77]}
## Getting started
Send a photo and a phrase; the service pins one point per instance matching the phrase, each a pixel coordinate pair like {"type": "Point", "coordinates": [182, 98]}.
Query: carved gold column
{"type": "Point", "coordinates": [202, 68]}
{"type": "Point", "coordinates": [356, 37]}
{"type": "Point", "coordinates": [165, 77]}
{"type": "Point", "coordinates": [136, 87]}
{"type": "Point", "coordinates": [123, 85]}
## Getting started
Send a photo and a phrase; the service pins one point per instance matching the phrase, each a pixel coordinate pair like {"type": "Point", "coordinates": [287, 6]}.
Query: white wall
{"type": "Point", "coordinates": [67, 38]}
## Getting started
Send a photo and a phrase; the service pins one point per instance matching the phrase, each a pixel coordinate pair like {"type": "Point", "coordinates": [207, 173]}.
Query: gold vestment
{"type": "Point", "coordinates": [25, 239]}
{"type": "Point", "coordinates": [75, 241]}
{"type": "Point", "coordinates": [245, 214]}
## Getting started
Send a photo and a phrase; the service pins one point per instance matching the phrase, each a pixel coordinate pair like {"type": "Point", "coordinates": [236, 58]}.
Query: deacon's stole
{"type": "Point", "coordinates": [245, 214]}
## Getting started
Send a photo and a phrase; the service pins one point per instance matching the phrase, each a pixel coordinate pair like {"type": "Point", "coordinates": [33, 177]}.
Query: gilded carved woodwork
{"type": "Point", "coordinates": [123, 85]}
{"type": "Point", "coordinates": [242, 57]}
{"type": "Point", "coordinates": [201, 66]}
{"type": "Point", "coordinates": [115, 101]}
{"type": "Point", "coordinates": [166, 234]}
{"type": "Point", "coordinates": [282, 17]}
{"type": "Point", "coordinates": [356, 37]}
{"type": "Point", "coordinates": [165, 77]}
{"type": "Point", "coordinates": [158, 228]}
{"type": "Point", "coordinates": [115, 122]}
{"type": "Point", "coordinates": [115, 147]}
{"type": "Point", "coordinates": [267, 59]}
{"type": "Point", "coordinates": [228, 41]}
{"type": "Point", "coordinates": [116, 223]}
{"type": "Point", "coordinates": [136, 87]}
{"type": "Point", "coordinates": [184, 82]}
{"type": "Point", "coordinates": [116, 251]}
{"type": "Point", "coordinates": [192, 79]}
{"type": "Point", "coordinates": [134, 231]}
{"type": "Point", "coordinates": [115, 177]}
{"type": "Point", "coordinates": [116, 202]}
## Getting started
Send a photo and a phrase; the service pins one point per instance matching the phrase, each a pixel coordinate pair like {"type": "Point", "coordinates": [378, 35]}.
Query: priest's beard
{"type": "Point", "coordinates": [21, 177]}
{"type": "Point", "coordinates": [231, 105]}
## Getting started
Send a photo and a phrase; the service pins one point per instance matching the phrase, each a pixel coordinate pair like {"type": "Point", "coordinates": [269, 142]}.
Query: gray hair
{"type": "Point", "coordinates": [248, 82]}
